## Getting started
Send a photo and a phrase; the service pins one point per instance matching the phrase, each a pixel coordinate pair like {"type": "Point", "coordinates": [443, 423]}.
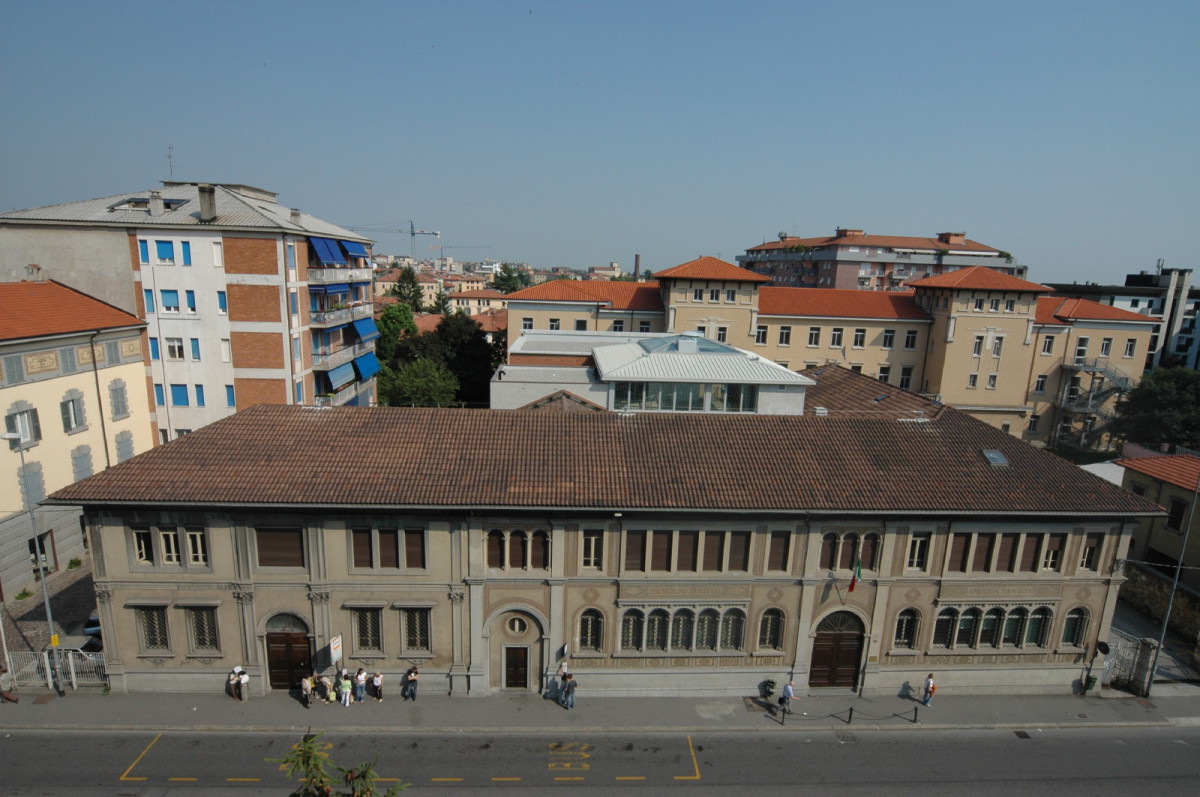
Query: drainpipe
{"type": "Point", "coordinates": [99, 399]}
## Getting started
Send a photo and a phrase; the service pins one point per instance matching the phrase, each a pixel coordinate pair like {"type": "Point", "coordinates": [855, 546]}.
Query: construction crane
{"type": "Point", "coordinates": [412, 233]}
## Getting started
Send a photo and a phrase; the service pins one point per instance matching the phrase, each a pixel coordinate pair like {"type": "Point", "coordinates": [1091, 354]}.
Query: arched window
{"type": "Point", "coordinates": [706, 630]}
{"type": "Point", "coordinates": [1035, 631]}
{"type": "Point", "coordinates": [657, 630]}
{"type": "Point", "coordinates": [1075, 628]}
{"type": "Point", "coordinates": [943, 629]}
{"type": "Point", "coordinates": [495, 548]}
{"type": "Point", "coordinates": [539, 551]}
{"type": "Point", "coordinates": [681, 630]}
{"type": "Point", "coordinates": [849, 552]}
{"type": "Point", "coordinates": [516, 550]}
{"type": "Point", "coordinates": [870, 551]}
{"type": "Point", "coordinates": [989, 632]}
{"type": "Point", "coordinates": [591, 630]}
{"type": "Point", "coordinates": [907, 625]}
{"type": "Point", "coordinates": [968, 625]}
{"type": "Point", "coordinates": [770, 630]}
{"type": "Point", "coordinates": [733, 629]}
{"type": "Point", "coordinates": [1014, 628]}
{"type": "Point", "coordinates": [829, 544]}
{"type": "Point", "coordinates": [631, 630]}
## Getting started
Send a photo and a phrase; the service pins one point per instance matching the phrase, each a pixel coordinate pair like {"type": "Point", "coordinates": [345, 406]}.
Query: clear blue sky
{"type": "Point", "coordinates": [579, 133]}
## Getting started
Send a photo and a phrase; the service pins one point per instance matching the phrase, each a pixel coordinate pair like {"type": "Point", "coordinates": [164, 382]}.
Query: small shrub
{"type": "Point", "coordinates": [23, 594]}
{"type": "Point", "coordinates": [74, 563]}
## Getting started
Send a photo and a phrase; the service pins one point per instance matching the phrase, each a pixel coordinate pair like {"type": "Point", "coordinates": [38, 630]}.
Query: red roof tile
{"type": "Point", "coordinates": [839, 303]}
{"type": "Point", "coordinates": [1060, 310]}
{"type": "Point", "coordinates": [979, 278]}
{"type": "Point", "coordinates": [882, 241]}
{"type": "Point", "coordinates": [1180, 470]}
{"type": "Point", "coordinates": [842, 391]}
{"type": "Point", "coordinates": [34, 309]}
{"type": "Point", "coordinates": [616, 295]}
{"type": "Point", "coordinates": [710, 268]}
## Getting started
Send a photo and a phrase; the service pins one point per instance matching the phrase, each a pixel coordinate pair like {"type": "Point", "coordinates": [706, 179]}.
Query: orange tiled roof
{"type": "Point", "coordinates": [616, 295]}
{"type": "Point", "coordinates": [492, 320]}
{"type": "Point", "coordinates": [838, 303]}
{"type": "Point", "coordinates": [1180, 470]}
{"type": "Point", "coordinates": [882, 241]}
{"type": "Point", "coordinates": [34, 309]}
{"type": "Point", "coordinates": [979, 278]}
{"type": "Point", "coordinates": [1060, 310]}
{"type": "Point", "coordinates": [481, 293]}
{"type": "Point", "coordinates": [710, 268]}
{"type": "Point", "coordinates": [842, 391]}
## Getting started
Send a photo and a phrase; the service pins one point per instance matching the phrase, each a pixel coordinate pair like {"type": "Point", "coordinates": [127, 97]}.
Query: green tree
{"type": "Point", "coordinates": [648, 274]}
{"type": "Point", "coordinates": [408, 290]}
{"type": "Point", "coordinates": [461, 344]}
{"type": "Point", "coordinates": [509, 278]}
{"type": "Point", "coordinates": [395, 322]}
{"type": "Point", "coordinates": [442, 304]}
{"type": "Point", "coordinates": [1164, 408]}
{"type": "Point", "coordinates": [424, 382]}
{"type": "Point", "coordinates": [309, 763]}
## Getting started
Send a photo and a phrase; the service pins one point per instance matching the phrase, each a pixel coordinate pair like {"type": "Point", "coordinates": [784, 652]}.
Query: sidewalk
{"type": "Point", "coordinates": [1171, 704]}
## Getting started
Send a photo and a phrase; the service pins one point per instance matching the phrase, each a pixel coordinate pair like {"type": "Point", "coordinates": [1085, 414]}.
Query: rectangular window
{"type": "Point", "coordinates": [1033, 423]}
{"type": "Point", "coordinates": [731, 296]}
{"type": "Point", "coordinates": [197, 544]}
{"type": "Point", "coordinates": [722, 334]}
{"type": "Point", "coordinates": [279, 547]}
{"type": "Point", "coordinates": [643, 326]}
{"type": "Point", "coordinates": [593, 548]}
{"type": "Point", "coordinates": [179, 396]}
{"type": "Point", "coordinates": [977, 348]}
{"type": "Point", "coordinates": [195, 344]}
{"type": "Point", "coordinates": [1010, 305]}
{"type": "Point", "coordinates": [918, 551]}
{"type": "Point", "coordinates": [814, 336]}
{"type": "Point", "coordinates": [148, 298]}
{"type": "Point", "coordinates": [169, 300]}
{"type": "Point", "coordinates": [991, 383]}
{"type": "Point", "coordinates": [618, 325]}
{"type": "Point", "coordinates": [1106, 347]}
{"type": "Point", "coordinates": [159, 396]}
{"type": "Point", "coordinates": [860, 338]}
{"type": "Point", "coordinates": [981, 559]}
{"type": "Point", "coordinates": [143, 546]}
{"type": "Point", "coordinates": [777, 555]}
{"type": "Point", "coordinates": [202, 626]}
{"type": "Point", "coordinates": [1039, 386]}
{"type": "Point", "coordinates": [526, 323]}
{"type": "Point", "coordinates": [581, 324]}
{"type": "Point", "coordinates": [218, 255]}
{"type": "Point", "coordinates": [702, 330]}
{"type": "Point", "coordinates": [885, 373]}
{"type": "Point", "coordinates": [972, 380]}
{"type": "Point", "coordinates": [979, 304]}
{"type": "Point", "coordinates": [366, 630]}
{"type": "Point", "coordinates": [835, 338]}
{"type": "Point", "coordinates": [416, 629]}
{"type": "Point", "coordinates": [1048, 344]}
{"type": "Point", "coordinates": [697, 294]}
{"type": "Point", "coordinates": [1130, 346]}
{"type": "Point", "coordinates": [660, 550]}
{"type": "Point", "coordinates": [222, 303]}
{"type": "Point", "coordinates": [994, 306]}
{"type": "Point", "coordinates": [225, 350]}
{"type": "Point", "coordinates": [414, 549]}
{"type": "Point", "coordinates": [739, 550]}
{"type": "Point", "coordinates": [186, 251]}
{"type": "Point", "coordinates": [154, 348]}
{"type": "Point", "coordinates": [189, 298]}
{"type": "Point", "coordinates": [555, 324]}
{"type": "Point", "coordinates": [785, 336]}
{"type": "Point", "coordinates": [152, 623]}
{"type": "Point", "coordinates": [1006, 560]}
{"type": "Point", "coordinates": [910, 339]}
{"type": "Point", "coordinates": [1089, 554]}
{"type": "Point", "coordinates": [685, 556]}
{"type": "Point", "coordinates": [361, 545]}
{"type": "Point", "coordinates": [143, 251]}
{"type": "Point", "coordinates": [168, 541]}
{"type": "Point", "coordinates": [714, 295]}
{"type": "Point", "coordinates": [958, 553]}
{"type": "Point", "coordinates": [889, 338]}
{"type": "Point", "coordinates": [906, 375]}
{"type": "Point", "coordinates": [760, 334]}
{"type": "Point", "coordinates": [165, 253]}
{"type": "Point", "coordinates": [635, 551]}
{"type": "Point", "coordinates": [1052, 551]}
{"type": "Point", "coordinates": [229, 402]}
{"type": "Point", "coordinates": [1031, 553]}
{"type": "Point", "coordinates": [174, 348]}
{"type": "Point", "coordinates": [714, 550]}
{"type": "Point", "coordinates": [72, 414]}
{"type": "Point", "coordinates": [1176, 514]}
{"type": "Point", "coordinates": [199, 395]}
{"type": "Point", "coordinates": [997, 346]}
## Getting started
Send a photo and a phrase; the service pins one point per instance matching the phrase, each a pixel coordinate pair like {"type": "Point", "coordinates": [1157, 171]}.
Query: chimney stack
{"type": "Point", "coordinates": [296, 216]}
{"type": "Point", "coordinates": [156, 203]}
{"type": "Point", "coordinates": [208, 202]}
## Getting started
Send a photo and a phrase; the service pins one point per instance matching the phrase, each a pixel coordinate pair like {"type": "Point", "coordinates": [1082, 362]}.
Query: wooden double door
{"type": "Point", "coordinates": [289, 658]}
{"type": "Point", "coordinates": [837, 651]}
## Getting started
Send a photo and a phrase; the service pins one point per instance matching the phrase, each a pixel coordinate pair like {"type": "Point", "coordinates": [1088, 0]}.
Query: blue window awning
{"type": "Point", "coordinates": [337, 287]}
{"type": "Point", "coordinates": [366, 365]}
{"type": "Point", "coordinates": [328, 251]}
{"type": "Point", "coordinates": [366, 329]}
{"type": "Point", "coordinates": [343, 374]}
{"type": "Point", "coordinates": [355, 249]}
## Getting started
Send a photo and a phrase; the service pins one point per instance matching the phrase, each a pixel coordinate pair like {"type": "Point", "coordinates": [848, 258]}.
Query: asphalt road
{"type": "Point", "coordinates": [1065, 763]}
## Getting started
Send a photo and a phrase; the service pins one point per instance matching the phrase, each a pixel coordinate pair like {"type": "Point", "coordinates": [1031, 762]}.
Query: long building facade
{"type": "Point", "coordinates": [662, 553]}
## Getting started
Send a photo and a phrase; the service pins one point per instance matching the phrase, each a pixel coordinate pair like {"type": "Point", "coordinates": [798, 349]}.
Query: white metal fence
{"type": "Point", "coordinates": [78, 669]}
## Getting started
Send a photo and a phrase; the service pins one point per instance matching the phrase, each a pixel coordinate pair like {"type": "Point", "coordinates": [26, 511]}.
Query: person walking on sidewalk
{"type": "Point", "coordinates": [568, 693]}
{"type": "Point", "coordinates": [306, 691]}
{"type": "Point", "coordinates": [785, 700]}
{"type": "Point", "coordinates": [377, 686]}
{"type": "Point", "coordinates": [7, 685]}
{"type": "Point", "coordinates": [930, 689]}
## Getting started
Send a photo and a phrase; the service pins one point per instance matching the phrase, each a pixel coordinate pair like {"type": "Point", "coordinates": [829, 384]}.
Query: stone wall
{"type": "Point", "coordinates": [1149, 590]}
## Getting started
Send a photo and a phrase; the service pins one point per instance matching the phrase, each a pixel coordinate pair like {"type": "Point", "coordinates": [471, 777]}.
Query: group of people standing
{"type": "Point", "coordinates": [238, 685]}
{"type": "Point", "coordinates": [346, 688]}
{"type": "Point", "coordinates": [566, 686]}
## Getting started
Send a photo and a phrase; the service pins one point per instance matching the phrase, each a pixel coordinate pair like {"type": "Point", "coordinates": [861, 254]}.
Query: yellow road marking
{"type": "Point", "coordinates": [446, 780]}
{"type": "Point", "coordinates": [136, 761]}
{"type": "Point", "coordinates": [695, 764]}
{"type": "Point", "coordinates": [184, 779]}
{"type": "Point", "coordinates": [506, 779]}
{"type": "Point", "coordinates": [243, 780]}
{"type": "Point", "coordinates": [630, 777]}
{"type": "Point", "coordinates": [568, 778]}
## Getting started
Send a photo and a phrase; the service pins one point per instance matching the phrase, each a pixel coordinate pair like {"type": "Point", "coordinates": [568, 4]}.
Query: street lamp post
{"type": "Point", "coordinates": [56, 666]}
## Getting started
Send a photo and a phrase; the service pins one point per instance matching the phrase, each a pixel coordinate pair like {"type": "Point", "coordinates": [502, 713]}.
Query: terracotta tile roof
{"type": "Point", "coordinates": [616, 295]}
{"type": "Point", "coordinates": [551, 360]}
{"type": "Point", "coordinates": [492, 320]}
{"type": "Point", "coordinates": [979, 278]}
{"type": "Point", "coordinates": [427, 322]}
{"type": "Point", "coordinates": [479, 293]}
{"type": "Point", "coordinates": [1060, 310]}
{"type": "Point", "coordinates": [393, 457]}
{"type": "Point", "coordinates": [1180, 470]}
{"type": "Point", "coordinates": [710, 268]}
{"type": "Point", "coordinates": [881, 241]}
{"type": "Point", "coordinates": [838, 303]}
{"type": "Point", "coordinates": [34, 309]}
{"type": "Point", "coordinates": [842, 391]}
{"type": "Point", "coordinates": [564, 401]}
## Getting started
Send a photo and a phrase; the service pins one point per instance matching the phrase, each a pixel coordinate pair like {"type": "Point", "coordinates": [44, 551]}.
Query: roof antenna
{"type": "Point", "coordinates": [171, 162]}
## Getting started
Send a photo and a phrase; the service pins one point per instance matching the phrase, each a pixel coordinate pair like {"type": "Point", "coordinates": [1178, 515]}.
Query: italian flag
{"type": "Point", "coordinates": [857, 573]}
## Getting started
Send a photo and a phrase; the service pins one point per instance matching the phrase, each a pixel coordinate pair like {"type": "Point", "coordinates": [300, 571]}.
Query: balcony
{"type": "Point", "coordinates": [344, 315]}
{"type": "Point", "coordinates": [326, 360]}
{"type": "Point", "coordinates": [329, 276]}
{"type": "Point", "coordinates": [343, 396]}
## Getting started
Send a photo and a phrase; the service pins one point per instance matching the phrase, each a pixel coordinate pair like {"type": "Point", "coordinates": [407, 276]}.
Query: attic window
{"type": "Point", "coordinates": [143, 203]}
{"type": "Point", "coordinates": [879, 398]}
{"type": "Point", "coordinates": [995, 457]}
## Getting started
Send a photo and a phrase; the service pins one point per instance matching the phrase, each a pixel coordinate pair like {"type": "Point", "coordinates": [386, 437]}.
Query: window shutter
{"type": "Point", "coordinates": [777, 558]}
{"type": "Point", "coordinates": [984, 544]}
{"type": "Point", "coordinates": [65, 408]}
{"type": "Point", "coordinates": [362, 547]}
{"type": "Point", "coordinates": [958, 553]}
{"type": "Point", "coordinates": [635, 550]}
{"type": "Point", "coordinates": [35, 425]}
{"type": "Point", "coordinates": [1008, 553]}
{"type": "Point", "coordinates": [280, 547]}
{"type": "Point", "coordinates": [1030, 553]}
{"type": "Point", "coordinates": [660, 557]}
{"type": "Point", "coordinates": [414, 548]}
{"type": "Point", "coordinates": [739, 550]}
{"type": "Point", "coordinates": [685, 556]}
{"type": "Point", "coordinates": [714, 544]}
